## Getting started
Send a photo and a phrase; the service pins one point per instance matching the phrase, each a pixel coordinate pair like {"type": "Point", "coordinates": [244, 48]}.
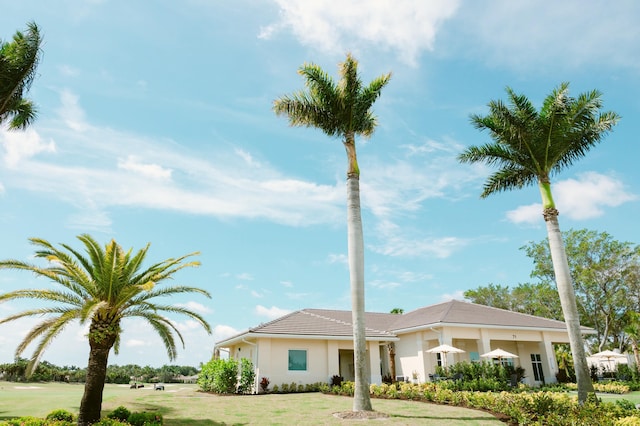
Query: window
{"type": "Point", "coordinates": [536, 364]}
{"type": "Point", "coordinates": [474, 356]}
{"type": "Point", "coordinates": [297, 360]}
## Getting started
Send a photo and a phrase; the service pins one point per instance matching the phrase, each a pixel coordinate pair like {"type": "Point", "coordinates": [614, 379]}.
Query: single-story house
{"type": "Point", "coordinates": [312, 345]}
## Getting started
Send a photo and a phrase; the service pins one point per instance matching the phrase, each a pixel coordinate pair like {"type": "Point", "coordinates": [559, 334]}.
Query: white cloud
{"type": "Point", "coordinates": [457, 295]}
{"type": "Point", "coordinates": [338, 258]}
{"type": "Point", "coordinates": [22, 145]}
{"type": "Point", "coordinates": [71, 112]}
{"type": "Point", "coordinates": [272, 312]}
{"type": "Point", "coordinates": [523, 35]}
{"type": "Point", "coordinates": [245, 276]}
{"type": "Point", "coordinates": [229, 183]}
{"type": "Point", "coordinates": [531, 213]}
{"type": "Point", "coordinates": [402, 242]}
{"type": "Point", "coordinates": [136, 343]}
{"type": "Point", "coordinates": [68, 70]}
{"type": "Point", "coordinates": [384, 284]}
{"type": "Point", "coordinates": [221, 332]}
{"type": "Point", "coordinates": [287, 284]}
{"type": "Point", "coordinates": [196, 307]}
{"type": "Point", "coordinates": [406, 26]}
{"type": "Point", "coordinates": [579, 199]}
{"type": "Point", "coordinates": [153, 171]}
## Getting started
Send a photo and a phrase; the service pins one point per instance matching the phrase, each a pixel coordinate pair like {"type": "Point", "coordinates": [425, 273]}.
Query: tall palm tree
{"type": "Point", "coordinates": [343, 110]}
{"type": "Point", "coordinates": [101, 288]}
{"type": "Point", "coordinates": [529, 147]}
{"type": "Point", "coordinates": [18, 63]}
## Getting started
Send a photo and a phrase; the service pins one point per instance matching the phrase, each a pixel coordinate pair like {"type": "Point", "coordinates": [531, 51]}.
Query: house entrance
{"type": "Point", "coordinates": [346, 364]}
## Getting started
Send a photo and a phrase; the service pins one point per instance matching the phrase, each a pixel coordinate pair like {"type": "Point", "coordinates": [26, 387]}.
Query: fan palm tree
{"type": "Point", "coordinates": [18, 63]}
{"type": "Point", "coordinates": [100, 288]}
{"type": "Point", "coordinates": [343, 110]}
{"type": "Point", "coordinates": [529, 147]}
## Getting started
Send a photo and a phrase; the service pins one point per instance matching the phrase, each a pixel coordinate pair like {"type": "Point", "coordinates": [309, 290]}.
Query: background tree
{"type": "Point", "coordinates": [494, 295]}
{"type": "Point", "coordinates": [343, 110]}
{"type": "Point", "coordinates": [539, 299]}
{"type": "Point", "coordinates": [530, 146]}
{"type": "Point", "coordinates": [101, 288]}
{"type": "Point", "coordinates": [18, 63]}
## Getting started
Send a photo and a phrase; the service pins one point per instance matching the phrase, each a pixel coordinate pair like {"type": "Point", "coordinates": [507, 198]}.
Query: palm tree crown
{"type": "Point", "coordinates": [18, 63]}
{"type": "Point", "coordinates": [342, 109]}
{"type": "Point", "coordinates": [530, 146]}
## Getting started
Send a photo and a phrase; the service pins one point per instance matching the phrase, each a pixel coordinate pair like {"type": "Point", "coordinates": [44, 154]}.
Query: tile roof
{"type": "Point", "coordinates": [326, 322]}
{"type": "Point", "coordinates": [463, 313]}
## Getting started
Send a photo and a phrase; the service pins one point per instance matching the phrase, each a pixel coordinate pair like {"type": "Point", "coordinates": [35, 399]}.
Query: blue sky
{"type": "Point", "coordinates": [155, 125]}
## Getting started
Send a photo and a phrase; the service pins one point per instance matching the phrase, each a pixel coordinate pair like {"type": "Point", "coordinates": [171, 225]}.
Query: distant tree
{"type": "Point", "coordinates": [101, 288]}
{"type": "Point", "coordinates": [343, 110]}
{"type": "Point", "coordinates": [529, 146]}
{"type": "Point", "coordinates": [397, 311]}
{"type": "Point", "coordinates": [539, 299]}
{"type": "Point", "coordinates": [494, 295]}
{"type": "Point", "coordinates": [18, 63]}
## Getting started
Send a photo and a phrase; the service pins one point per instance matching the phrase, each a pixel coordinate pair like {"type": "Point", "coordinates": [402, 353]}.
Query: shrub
{"type": "Point", "coordinates": [110, 422]}
{"type": "Point", "coordinates": [336, 380]}
{"type": "Point", "coordinates": [264, 384]}
{"type": "Point", "coordinates": [145, 419]}
{"type": "Point", "coordinates": [60, 415]}
{"type": "Point", "coordinates": [276, 389]}
{"type": "Point", "coordinates": [121, 413]}
{"type": "Point", "coordinates": [219, 376]}
{"type": "Point", "coordinates": [247, 376]}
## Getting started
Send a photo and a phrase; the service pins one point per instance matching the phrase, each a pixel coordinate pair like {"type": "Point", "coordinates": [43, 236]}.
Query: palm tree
{"type": "Point", "coordinates": [343, 110]}
{"type": "Point", "coordinates": [18, 62]}
{"type": "Point", "coordinates": [529, 147]}
{"type": "Point", "coordinates": [100, 288]}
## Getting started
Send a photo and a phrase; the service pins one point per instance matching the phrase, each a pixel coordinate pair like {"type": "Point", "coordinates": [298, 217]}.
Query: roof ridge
{"type": "Point", "coordinates": [510, 311]}
{"type": "Point", "coordinates": [264, 324]}
{"type": "Point", "coordinates": [304, 311]}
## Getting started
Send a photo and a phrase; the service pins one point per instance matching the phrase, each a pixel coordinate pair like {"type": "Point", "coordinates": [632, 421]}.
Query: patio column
{"type": "Point", "coordinates": [374, 362]}
{"type": "Point", "coordinates": [484, 344]}
{"type": "Point", "coordinates": [333, 359]}
{"type": "Point", "coordinates": [550, 366]}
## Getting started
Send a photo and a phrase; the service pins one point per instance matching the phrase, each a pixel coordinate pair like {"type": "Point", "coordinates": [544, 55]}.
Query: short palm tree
{"type": "Point", "coordinates": [100, 288]}
{"type": "Point", "coordinates": [529, 147]}
{"type": "Point", "coordinates": [343, 110]}
{"type": "Point", "coordinates": [18, 63]}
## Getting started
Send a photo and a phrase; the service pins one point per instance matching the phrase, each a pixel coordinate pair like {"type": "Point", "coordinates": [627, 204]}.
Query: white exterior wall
{"type": "Point", "coordinates": [270, 355]}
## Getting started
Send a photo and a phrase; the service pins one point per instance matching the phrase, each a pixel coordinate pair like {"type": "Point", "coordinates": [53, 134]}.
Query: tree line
{"type": "Point", "coordinates": [606, 277]}
{"type": "Point", "coordinates": [120, 374]}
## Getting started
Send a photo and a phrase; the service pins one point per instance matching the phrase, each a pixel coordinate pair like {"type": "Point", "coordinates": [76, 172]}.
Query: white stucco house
{"type": "Point", "coordinates": [312, 345]}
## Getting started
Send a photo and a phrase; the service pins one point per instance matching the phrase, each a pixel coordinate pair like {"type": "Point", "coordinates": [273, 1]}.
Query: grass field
{"type": "Point", "coordinates": [184, 405]}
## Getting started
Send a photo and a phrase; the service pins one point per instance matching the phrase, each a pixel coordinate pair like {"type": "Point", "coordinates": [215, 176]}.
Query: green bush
{"type": "Point", "coordinates": [247, 376]}
{"type": "Point", "coordinates": [110, 422]}
{"type": "Point", "coordinates": [121, 413]}
{"type": "Point", "coordinates": [219, 376]}
{"type": "Point", "coordinates": [60, 415]}
{"type": "Point", "coordinates": [145, 419]}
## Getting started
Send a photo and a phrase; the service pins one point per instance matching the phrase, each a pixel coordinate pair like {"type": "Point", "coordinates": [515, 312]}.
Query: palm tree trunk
{"type": "Point", "coordinates": [568, 303]}
{"type": "Point", "coordinates": [91, 404]}
{"type": "Point", "coordinates": [361, 398]}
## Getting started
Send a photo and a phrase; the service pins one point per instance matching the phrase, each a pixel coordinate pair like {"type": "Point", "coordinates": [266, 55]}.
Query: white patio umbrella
{"type": "Point", "coordinates": [608, 355]}
{"type": "Point", "coordinates": [499, 353]}
{"type": "Point", "coordinates": [444, 349]}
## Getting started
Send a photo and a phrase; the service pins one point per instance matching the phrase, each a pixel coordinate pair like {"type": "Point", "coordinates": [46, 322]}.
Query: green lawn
{"type": "Point", "coordinates": [184, 405]}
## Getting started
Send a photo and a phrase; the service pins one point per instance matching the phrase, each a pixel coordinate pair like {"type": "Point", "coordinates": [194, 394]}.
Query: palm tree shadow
{"type": "Point", "coordinates": [167, 411]}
